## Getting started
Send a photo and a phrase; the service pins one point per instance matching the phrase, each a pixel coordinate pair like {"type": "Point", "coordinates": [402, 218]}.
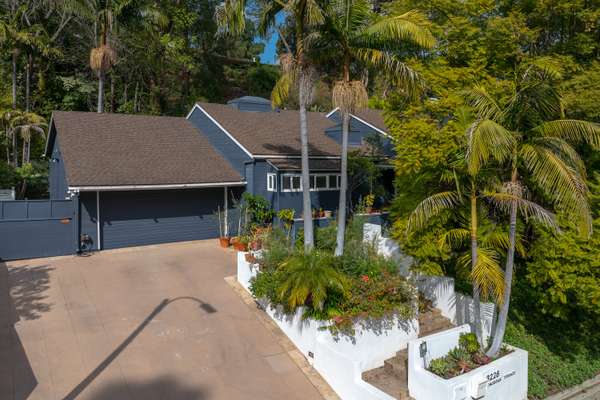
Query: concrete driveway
{"type": "Point", "coordinates": [156, 322]}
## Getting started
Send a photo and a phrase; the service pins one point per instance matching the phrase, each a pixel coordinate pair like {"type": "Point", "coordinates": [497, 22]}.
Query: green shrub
{"type": "Point", "coordinates": [277, 248]}
{"type": "Point", "coordinates": [265, 285]}
{"type": "Point", "coordinates": [468, 342]}
{"type": "Point", "coordinates": [258, 210]}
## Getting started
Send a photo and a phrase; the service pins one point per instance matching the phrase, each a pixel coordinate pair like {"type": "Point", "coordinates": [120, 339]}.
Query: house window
{"type": "Point", "coordinates": [334, 181]}
{"type": "Point", "coordinates": [318, 182]}
{"type": "Point", "coordinates": [271, 182]}
{"type": "Point", "coordinates": [291, 183]}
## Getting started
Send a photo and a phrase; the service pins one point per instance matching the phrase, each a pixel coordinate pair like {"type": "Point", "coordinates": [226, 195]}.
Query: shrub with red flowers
{"type": "Point", "coordinates": [381, 296]}
{"type": "Point", "coordinates": [370, 287]}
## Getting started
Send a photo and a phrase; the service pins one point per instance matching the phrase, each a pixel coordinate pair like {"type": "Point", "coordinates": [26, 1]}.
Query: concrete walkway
{"type": "Point", "coordinates": [147, 323]}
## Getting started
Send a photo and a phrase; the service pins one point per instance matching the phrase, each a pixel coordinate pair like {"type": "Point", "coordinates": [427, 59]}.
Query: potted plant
{"type": "Point", "coordinates": [242, 243]}
{"type": "Point", "coordinates": [250, 258]}
{"type": "Point", "coordinates": [223, 239]}
{"type": "Point", "coordinates": [369, 200]}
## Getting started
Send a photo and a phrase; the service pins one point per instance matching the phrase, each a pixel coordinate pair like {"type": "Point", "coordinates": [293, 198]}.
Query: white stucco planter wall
{"type": "Point", "coordinates": [457, 307]}
{"type": "Point", "coordinates": [340, 359]}
{"type": "Point", "coordinates": [502, 379]}
{"type": "Point", "coordinates": [245, 270]}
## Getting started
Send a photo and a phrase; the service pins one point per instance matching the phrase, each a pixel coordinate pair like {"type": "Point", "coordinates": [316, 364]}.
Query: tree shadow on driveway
{"type": "Point", "coordinates": [22, 299]}
{"type": "Point", "coordinates": [164, 387]}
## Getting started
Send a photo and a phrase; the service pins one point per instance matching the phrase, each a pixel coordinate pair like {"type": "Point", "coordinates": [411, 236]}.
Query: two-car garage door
{"type": "Point", "coordinates": [134, 218]}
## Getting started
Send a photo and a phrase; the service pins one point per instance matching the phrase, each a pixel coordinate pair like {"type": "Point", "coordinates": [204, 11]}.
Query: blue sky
{"type": "Point", "coordinates": [269, 55]}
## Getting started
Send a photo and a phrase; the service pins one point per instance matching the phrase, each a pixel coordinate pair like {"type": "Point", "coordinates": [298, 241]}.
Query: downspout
{"type": "Point", "coordinates": [76, 222]}
{"type": "Point", "coordinates": [98, 240]}
{"type": "Point", "coordinates": [225, 213]}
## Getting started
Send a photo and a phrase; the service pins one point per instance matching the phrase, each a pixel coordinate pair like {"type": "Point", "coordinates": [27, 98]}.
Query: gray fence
{"type": "Point", "coordinates": [37, 228]}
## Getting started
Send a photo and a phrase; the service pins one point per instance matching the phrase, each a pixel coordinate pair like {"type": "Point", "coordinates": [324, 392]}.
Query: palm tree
{"type": "Point", "coordinates": [309, 277]}
{"type": "Point", "coordinates": [541, 153]}
{"type": "Point", "coordinates": [297, 70]}
{"type": "Point", "coordinates": [26, 124]}
{"type": "Point", "coordinates": [12, 37]}
{"type": "Point", "coordinates": [353, 34]}
{"type": "Point", "coordinates": [469, 181]}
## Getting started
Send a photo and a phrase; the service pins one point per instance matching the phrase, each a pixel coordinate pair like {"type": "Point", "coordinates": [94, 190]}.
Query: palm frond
{"type": "Point", "coordinates": [563, 183]}
{"type": "Point", "coordinates": [486, 274]}
{"type": "Point", "coordinates": [527, 209]}
{"type": "Point", "coordinates": [487, 139]}
{"type": "Point", "coordinates": [572, 130]}
{"type": "Point", "coordinates": [231, 17]}
{"type": "Point", "coordinates": [410, 26]}
{"type": "Point", "coordinates": [563, 150]}
{"type": "Point", "coordinates": [454, 238]}
{"type": "Point", "coordinates": [281, 90]}
{"type": "Point", "coordinates": [406, 76]}
{"type": "Point", "coordinates": [485, 105]}
{"type": "Point", "coordinates": [498, 240]}
{"type": "Point", "coordinates": [429, 208]}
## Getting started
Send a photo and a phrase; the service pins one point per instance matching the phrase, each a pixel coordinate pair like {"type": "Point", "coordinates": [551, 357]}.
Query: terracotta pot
{"type": "Point", "coordinates": [321, 214]}
{"type": "Point", "coordinates": [224, 242]}
{"type": "Point", "coordinates": [239, 246]}
{"type": "Point", "coordinates": [250, 258]}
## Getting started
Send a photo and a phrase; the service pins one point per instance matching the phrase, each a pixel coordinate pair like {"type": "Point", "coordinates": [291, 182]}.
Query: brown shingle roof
{"type": "Point", "coordinates": [295, 164]}
{"type": "Point", "coordinates": [274, 133]}
{"type": "Point", "coordinates": [373, 117]}
{"type": "Point", "coordinates": [121, 149]}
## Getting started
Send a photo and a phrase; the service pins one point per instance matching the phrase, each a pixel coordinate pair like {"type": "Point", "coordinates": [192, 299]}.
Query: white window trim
{"type": "Point", "coordinates": [271, 182]}
{"type": "Point", "coordinates": [312, 176]}
{"type": "Point", "coordinates": [291, 189]}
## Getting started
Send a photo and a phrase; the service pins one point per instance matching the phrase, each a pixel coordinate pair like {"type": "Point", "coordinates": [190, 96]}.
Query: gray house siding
{"type": "Point", "coordinates": [36, 228]}
{"type": "Point", "coordinates": [219, 140]}
{"type": "Point", "coordinates": [259, 183]}
{"type": "Point", "coordinates": [57, 176]}
{"type": "Point", "coordinates": [358, 132]}
{"type": "Point", "coordinates": [327, 200]}
{"type": "Point", "coordinates": [136, 218]}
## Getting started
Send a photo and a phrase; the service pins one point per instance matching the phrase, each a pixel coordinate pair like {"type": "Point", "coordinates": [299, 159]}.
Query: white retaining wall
{"type": "Point", "coordinates": [457, 307]}
{"type": "Point", "coordinates": [340, 359]}
{"type": "Point", "coordinates": [502, 379]}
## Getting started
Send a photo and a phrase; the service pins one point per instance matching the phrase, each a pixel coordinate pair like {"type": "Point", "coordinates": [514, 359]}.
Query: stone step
{"type": "Point", "coordinates": [387, 383]}
{"type": "Point", "coordinates": [392, 377]}
{"type": "Point", "coordinates": [435, 324]}
{"type": "Point", "coordinates": [398, 367]}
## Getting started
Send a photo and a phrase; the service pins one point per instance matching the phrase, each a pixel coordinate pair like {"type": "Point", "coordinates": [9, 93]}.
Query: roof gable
{"type": "Point", "coordinates": [121, 149]}
{"type": "Point", "coordinates": [273, 133]}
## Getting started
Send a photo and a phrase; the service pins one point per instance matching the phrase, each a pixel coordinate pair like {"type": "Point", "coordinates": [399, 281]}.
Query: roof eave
{"type": "Point", "coordinates": [107, 188]}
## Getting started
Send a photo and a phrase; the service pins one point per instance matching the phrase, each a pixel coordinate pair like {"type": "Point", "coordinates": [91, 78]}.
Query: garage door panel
{"type": "Point", "coordinates": [151, 217]}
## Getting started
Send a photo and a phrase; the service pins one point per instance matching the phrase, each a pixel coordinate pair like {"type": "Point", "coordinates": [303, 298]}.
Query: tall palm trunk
{"type": "Point", "coordinates": [100, 91]}
{"type": "Point", "coordinates": [508, 276]}
{"type": "Point", "coordinates": [304, 94]}
{"type": "Point", "coordinates": [474, 256]}
{"type": "Point", "coordinates": [28, 70]}
{"type": "Point", "coordinates": [306, 203]}
{"type": "Point", "coordinates": [341, 226]}
{"type": "Point", "coordinates": [15, 149]}
{"type": "Point", "coordinates": [14, 78]}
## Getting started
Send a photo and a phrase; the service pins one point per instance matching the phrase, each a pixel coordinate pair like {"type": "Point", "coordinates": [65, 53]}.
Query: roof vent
{"type": "Point", "coordinates": [251, 103]}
